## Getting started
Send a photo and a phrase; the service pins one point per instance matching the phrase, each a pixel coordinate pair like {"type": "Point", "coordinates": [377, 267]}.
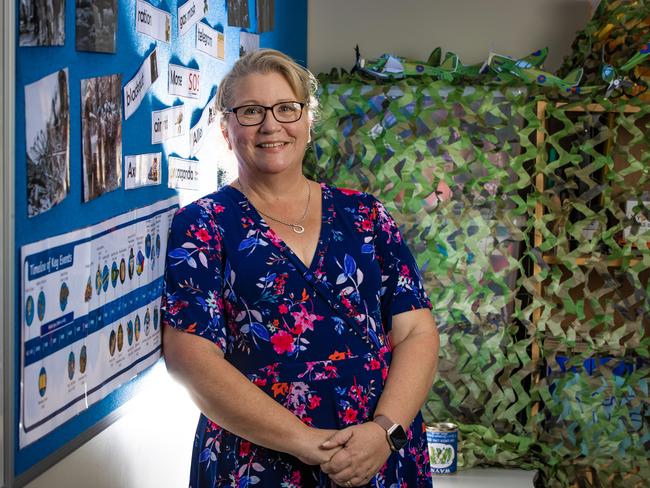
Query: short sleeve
{"type": "Point", "coordinates": [192, 293]}
{"type": "Point", "coordinates": [402, 284]}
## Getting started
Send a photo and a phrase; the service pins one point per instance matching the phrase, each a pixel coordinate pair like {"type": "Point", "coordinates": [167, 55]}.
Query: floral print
{"type": "Point", "coordinates": [314, 338]}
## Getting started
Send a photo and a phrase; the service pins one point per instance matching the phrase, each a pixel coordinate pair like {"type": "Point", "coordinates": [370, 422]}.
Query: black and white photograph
{"type": "Point", "coordinates": [96, 25]}
{"type": "Point", "coordinates": [47, 138]}
{"type": "Point", "coordinates": [154, 66]}
{"type": "Point", "coordinates": [101, 129]}
{"type": "Point", "coordinates": [42, 23]}
{"type": "Point", "coordinates": [248, 42]}
{"type": "Point", "coordinates": [238, 13]}
{"type": "Point", "coordinates": [265, 15]}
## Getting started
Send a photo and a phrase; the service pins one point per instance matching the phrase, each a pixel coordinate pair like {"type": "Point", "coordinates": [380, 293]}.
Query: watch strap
{"type": "Point", "coordinates": [384, 422]}
{"type": "Point", "coordinates": [395, 435]}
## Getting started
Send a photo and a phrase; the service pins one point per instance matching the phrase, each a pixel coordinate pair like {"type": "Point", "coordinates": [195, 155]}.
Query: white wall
{"type": "Point", "coordinates": [413, 28]}
{"type": "Point", "coordinates": [148, 447]}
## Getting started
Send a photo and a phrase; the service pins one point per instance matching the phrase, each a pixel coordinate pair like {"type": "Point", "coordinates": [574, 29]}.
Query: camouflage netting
{"type": "Point", "coordinates": [615, 33]}
{"type": "Point", "coordinates": [544, 320]}
{"type": "Point", "coordinates": [590, 313]}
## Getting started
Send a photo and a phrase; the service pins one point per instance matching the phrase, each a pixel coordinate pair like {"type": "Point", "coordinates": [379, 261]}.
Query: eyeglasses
{"type": "Point", "coordinates": [284, 112]}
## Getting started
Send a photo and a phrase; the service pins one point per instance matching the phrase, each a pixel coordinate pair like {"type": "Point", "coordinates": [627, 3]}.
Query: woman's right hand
{"type": "Point", "coordinates": [310, 450]}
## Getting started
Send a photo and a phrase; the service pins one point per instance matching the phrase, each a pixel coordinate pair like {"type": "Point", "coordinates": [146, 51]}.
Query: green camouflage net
{"type": "Point", "coordinates": [521, 320]}
{"type": "Point", "coordinates": [615, 33]}
{"type": "Point", "coordinates": [594, 270]}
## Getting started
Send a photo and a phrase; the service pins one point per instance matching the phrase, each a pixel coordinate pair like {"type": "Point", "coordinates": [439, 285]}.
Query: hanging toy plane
{"type": "Point", "coordinates": [389, 67]}
{"type": "Point", "coordinates": [617, 79]}
{"type": "Point", "coordinates": [528, 70]}
{"type": "Point", "coordinates": [505, 69]}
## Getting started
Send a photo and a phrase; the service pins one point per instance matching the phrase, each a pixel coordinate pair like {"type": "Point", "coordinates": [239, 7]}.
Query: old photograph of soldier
{"type": "Point", "coordinates": [47, 139]}
{"type": "Point", "coordinates": [96, 25]}
{"type": "Point", "coordinates": [42, 23]}
{"type": "Point", "coordinates": [101, 129]}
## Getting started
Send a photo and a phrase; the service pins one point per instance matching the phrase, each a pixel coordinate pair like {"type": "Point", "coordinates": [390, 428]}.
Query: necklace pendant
{"type": "Point", "coordinates": [297, 228]}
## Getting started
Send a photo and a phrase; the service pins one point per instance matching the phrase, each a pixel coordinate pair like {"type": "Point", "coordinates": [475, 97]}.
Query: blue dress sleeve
{"type": "Point", "coordinates": [192, 296]}
{"type": "Point", "coordinates": [402, 284]}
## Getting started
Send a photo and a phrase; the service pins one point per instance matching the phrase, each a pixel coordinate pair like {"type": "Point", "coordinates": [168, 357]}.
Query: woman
{"type": "Point", "coordinates": [293, 312]}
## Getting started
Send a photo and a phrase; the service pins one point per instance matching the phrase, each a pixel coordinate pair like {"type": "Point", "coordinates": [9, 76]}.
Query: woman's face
{"type": "Point", "coordinates": [271, 147]}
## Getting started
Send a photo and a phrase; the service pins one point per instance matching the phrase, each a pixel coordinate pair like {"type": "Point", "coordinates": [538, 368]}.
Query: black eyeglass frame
{"type": "Point", "coordinates": [234, 110]}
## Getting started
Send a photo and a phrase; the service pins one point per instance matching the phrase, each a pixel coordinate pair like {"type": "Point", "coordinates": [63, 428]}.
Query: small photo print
{"type": "Point", "coordinates": [265, 15]}
{"type": "Point", "coordinates": [42, 23]}
{"type": "Point", "coordinates": [153, 66]}
{"type": "Point", "coordinates": [238, 13]}
{"type": "Point", "coordinates": [101, 129]}
{"type": "Point", "coordinates": [47, 138]}
{"type": "Point", "coordinates": [96, 25]}
{"type": "Point", "coordinates": [248, 43]}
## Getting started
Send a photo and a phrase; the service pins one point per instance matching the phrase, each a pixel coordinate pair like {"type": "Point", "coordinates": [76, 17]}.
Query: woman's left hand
{"type": "Point", "coordinates": [364, 453]}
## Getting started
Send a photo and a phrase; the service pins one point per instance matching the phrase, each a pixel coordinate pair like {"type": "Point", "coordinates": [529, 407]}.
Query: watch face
{"type": "Point", "coordinates": [398, 437]}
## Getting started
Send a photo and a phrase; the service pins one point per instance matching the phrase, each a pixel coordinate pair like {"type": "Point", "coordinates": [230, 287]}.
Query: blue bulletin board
{"type": "Point", "coordinates": [88, 208]}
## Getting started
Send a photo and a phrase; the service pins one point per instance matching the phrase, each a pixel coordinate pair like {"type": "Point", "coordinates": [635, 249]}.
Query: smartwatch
{"type": "Point", "coordinates": [395, 433]}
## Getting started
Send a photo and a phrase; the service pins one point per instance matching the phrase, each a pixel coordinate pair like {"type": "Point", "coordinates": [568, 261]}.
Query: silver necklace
{"type": "Point", "coordinates": [295, 226]}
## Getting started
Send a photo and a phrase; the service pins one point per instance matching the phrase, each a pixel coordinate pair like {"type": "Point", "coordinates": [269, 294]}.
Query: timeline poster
{"type": "Point", "coordinates": [90, 314]}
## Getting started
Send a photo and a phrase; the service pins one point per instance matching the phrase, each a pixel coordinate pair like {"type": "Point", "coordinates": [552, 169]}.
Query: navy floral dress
{"type": "Point", "coordinates": [313, 338]}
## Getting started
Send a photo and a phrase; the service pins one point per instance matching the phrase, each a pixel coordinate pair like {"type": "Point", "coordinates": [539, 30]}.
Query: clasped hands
{"type": "Point", "coordinates": [351, 456]}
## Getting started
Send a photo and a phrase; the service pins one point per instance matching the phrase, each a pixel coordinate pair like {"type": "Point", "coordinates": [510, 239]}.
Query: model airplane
{"type": "Point", "coordinates": [506, 69]}
{"type": "Point", "coordinates": [389, 67]}
{"type": "Point", "coordinates": [466, 71]}
{"type": "Point", "coordinates": [528, 70]}
{"type": "Point", "coordinates": [616, 81]}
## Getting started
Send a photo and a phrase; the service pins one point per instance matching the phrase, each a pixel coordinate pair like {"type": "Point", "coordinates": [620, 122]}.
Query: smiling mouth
{"type": "Point", "coordinates": [269, 145]}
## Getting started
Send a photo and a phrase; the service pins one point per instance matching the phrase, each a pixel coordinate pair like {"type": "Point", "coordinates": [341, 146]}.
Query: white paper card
{"type": "Point", "coordinates": [184, 82]}
{"type": "Point", "coordinates": [207, 121]}
{"type": "Point", "coordinates": [210, 41]}
{"type": "Point", "coordinates": [190, 13]}
{"type": "Point", "coordinates": [168, 123]}
{"type": "Point", "coordinates": [183, 174]}
{"type": "Point", "coordinates": [153, 22]}
{"type": "Point", "coordinates": [135, 89]}
{"type": "Point", "coordinates": [142, 170]}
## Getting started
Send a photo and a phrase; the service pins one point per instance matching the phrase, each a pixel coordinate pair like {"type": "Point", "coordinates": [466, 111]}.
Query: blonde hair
{"type": "Point", "coordinates": [263, 61]}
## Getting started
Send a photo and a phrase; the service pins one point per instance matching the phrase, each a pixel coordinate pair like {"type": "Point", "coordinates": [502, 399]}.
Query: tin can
{"type": "Point", "coordinates": [443, 447]}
